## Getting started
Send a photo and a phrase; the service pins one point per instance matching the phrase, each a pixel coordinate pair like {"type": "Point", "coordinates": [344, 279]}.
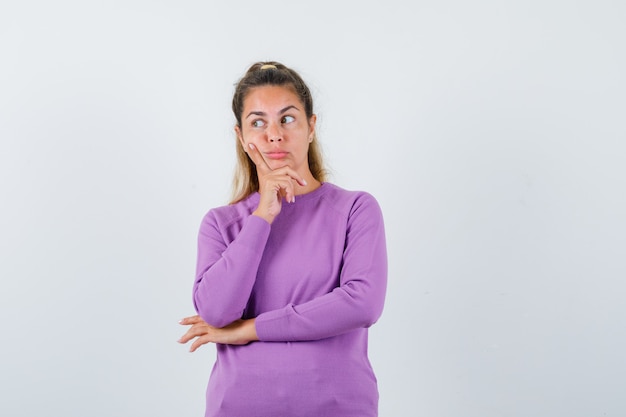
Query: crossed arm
{"type": "Point", "coordinates": [356, 303]}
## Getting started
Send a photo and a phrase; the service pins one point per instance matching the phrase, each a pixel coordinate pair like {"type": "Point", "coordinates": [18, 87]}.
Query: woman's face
{"type": "Point", "coordinates": [274, 120]}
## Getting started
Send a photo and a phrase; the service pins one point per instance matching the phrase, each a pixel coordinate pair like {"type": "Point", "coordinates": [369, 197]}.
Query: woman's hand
{"type": "Point", "coordinates": [274, 185]}
{"type": "Point", "coordinates": [239, 332]}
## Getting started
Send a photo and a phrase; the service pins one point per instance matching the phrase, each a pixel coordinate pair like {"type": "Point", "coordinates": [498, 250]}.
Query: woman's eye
{"type": "Point", "coordinates": [258, 123]}
{"type": "Point", "coordinates": [288, 119]}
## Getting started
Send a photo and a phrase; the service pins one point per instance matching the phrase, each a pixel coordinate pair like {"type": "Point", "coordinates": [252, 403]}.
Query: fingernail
{"type": "Point", "coordinates": [304, 182]}
{"type": "Point", "coordinates": [251, 146]}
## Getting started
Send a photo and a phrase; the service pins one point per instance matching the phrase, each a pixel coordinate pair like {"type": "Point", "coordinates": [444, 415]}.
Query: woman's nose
{"type": "Point", "coordinates": [274, 133]}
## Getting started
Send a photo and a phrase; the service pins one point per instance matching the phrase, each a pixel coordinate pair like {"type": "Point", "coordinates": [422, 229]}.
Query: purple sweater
{"type": "Point", "coordinates": [315, 280]}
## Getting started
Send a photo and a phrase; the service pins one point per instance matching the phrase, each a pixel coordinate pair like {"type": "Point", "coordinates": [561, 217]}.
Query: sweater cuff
{"type": "Point", "coordinates": [254, 230]}
{"type": "Point", "coordinates": [272, 326]}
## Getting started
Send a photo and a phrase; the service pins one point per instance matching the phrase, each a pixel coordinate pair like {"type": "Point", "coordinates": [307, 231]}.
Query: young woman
{"type": "Point", "coordinates": [291, 273]}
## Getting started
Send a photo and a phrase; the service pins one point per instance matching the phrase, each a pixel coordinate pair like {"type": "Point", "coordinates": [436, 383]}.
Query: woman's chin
{"type": "Point", "coordinates": [275, 164]}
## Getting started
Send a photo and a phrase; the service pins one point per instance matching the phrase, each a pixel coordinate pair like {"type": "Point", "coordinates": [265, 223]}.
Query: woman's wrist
{"type": "Point", "coordinates": [249, 328]}
{"type": "Point", "coordinates": [264, 216]}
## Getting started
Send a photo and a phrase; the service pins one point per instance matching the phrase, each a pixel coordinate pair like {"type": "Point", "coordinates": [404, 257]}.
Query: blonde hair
{"type": "Point", "coordinates": [245, 180]}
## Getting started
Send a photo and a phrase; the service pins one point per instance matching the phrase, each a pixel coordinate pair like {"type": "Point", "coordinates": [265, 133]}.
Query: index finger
{"type": "Point", "coordinates": [257, 158]}
{"type": "Point", "coordinates": [191, 320]}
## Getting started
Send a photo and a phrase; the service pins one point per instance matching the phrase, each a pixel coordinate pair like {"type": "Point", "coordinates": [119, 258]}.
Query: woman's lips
{"type": "Point", "coordinates": [276, 155]}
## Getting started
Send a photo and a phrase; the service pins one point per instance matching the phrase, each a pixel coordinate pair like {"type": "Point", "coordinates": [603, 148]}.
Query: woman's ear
{"type": "Point", "coordinates": [312, 121]}
{"type": "Point", "coordinates": [240, 137]}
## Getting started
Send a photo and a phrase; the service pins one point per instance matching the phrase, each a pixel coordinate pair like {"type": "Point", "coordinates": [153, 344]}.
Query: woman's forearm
{"type": "Point", "coordinates": [226, 271]}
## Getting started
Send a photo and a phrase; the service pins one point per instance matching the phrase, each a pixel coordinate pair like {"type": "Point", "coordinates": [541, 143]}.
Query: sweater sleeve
{"type": "Point", "coordinates": [358, 300]}
{"type": "Point", "coordinates": [226, 271]}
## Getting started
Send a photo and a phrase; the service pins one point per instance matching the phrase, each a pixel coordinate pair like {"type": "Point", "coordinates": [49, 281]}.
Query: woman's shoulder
{"type": "Point", "coordinates": [346, 198]}
{"type": "Point", "coordinates": [232, 213]}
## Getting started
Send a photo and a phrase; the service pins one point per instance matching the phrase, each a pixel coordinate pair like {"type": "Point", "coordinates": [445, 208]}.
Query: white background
{"type": "Point", "coordinates": [492, 134]}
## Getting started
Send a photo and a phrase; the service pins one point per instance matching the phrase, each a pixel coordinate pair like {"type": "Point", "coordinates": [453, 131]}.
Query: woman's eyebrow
{"type": "Point", "coordinates": [255, 113]}
{"type": "Point", "coordinates": [287, 108]}
{"type": "Point", "coordinates": [260, 113]}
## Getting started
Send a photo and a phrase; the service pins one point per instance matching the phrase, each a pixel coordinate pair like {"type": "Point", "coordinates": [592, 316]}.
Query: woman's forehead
{"type": "Point", "coordinates": [271, 96]}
